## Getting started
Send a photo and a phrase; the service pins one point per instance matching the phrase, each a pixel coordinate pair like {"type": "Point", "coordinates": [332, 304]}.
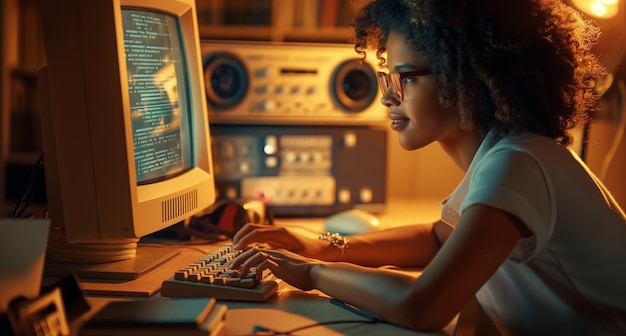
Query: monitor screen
{"type": "Point", "coordinates": [157, 87]}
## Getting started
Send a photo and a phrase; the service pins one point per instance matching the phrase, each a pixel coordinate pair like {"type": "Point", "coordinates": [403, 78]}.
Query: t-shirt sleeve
{"type": "Point", "coordinates": [514, 182]}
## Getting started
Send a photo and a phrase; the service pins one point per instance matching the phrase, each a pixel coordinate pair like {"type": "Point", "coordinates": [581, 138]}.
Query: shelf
{"type": "Point", "coordinates": [277, 20]}
{"type": "Point", "coordinates": [247, 33]}
{"type": "Point", "coordinates": [321, 34]}
{"type": "Point", "coordinates": [236, 33]}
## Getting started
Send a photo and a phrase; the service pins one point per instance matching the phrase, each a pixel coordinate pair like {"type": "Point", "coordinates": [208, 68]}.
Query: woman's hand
{"type": "Point", "coordinates": [294, 269]}
{"type": "Point", "coordinates": [278, 238]}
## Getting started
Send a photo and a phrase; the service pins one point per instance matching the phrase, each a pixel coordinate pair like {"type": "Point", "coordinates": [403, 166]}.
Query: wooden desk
{"type": "Point", "coordinates": [291, 308]}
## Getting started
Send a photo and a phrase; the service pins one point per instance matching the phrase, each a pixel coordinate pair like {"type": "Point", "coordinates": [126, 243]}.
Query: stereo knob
{"type": "Point", "coordinates": [295, 90]}
{"type": "Point", "coordinates": [267, 105]}
{"type": "Point", "coordinates": [271, 145]}
{"type": "Point", "coordinates": [280, 89]}
{"type": "Point", "coordinates": [263, 72]}
{"type": "Point", "coordinates": [263, 89]}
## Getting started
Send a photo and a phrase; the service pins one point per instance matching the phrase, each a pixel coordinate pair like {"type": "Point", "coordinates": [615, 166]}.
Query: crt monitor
{"type": "Point", "coordinates": [124, 122]}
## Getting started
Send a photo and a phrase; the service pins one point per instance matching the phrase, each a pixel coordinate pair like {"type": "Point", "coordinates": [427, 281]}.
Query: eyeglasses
{"type": "Point", "coordinates": [395, 79]}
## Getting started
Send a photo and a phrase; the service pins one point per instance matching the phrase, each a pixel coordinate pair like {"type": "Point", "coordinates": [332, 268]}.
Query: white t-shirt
{"type": "Point", "coordinates": [569, 278]}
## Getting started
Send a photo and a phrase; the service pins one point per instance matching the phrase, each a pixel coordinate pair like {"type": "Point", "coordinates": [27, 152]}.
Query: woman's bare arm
{"type": "Point", "coordinates": [480, 243]}
{"type": "Point", "coordinates": [404, 246]}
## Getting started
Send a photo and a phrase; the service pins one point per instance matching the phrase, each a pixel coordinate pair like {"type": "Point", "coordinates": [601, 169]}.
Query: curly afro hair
{"type": "Point", "coordinates": [507, 66]}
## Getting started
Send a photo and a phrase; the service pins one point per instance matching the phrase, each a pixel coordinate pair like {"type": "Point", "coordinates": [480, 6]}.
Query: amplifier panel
{"type": "Point", "coordinates": [302, 170]}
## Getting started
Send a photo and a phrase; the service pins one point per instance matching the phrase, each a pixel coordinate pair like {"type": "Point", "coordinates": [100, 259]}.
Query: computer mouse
{"type": "Point", "coordinates": [352, 221]}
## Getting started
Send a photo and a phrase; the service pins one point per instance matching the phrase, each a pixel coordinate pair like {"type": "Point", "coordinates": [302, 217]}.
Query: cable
{"type": "Point", "coordinates": [26, 195]}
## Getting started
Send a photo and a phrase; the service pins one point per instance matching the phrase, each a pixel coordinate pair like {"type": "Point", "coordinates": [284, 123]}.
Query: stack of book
{"type": "Point", "coordinates": [181, 317]}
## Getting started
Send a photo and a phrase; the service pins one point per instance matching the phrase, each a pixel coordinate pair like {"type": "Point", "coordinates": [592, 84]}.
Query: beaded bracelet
{"type": "Point", "coordinates": [336, 240]}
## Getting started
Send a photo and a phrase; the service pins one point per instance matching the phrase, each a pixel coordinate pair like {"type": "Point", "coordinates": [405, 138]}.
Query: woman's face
{"type": "Point", "coordinates": [419, 118]}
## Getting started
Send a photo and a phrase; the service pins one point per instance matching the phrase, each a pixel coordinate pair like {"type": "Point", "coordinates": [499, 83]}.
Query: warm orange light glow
{"type": "Point", "coordinates": [598, 10]}
{"type": "Point", "coordinates": [606, 2]}
{"type": "Point", "coordinates": [602, 9]}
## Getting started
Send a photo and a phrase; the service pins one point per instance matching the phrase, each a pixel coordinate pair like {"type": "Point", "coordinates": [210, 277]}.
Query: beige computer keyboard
{"type": "Point", "coordinates": [209, 277]}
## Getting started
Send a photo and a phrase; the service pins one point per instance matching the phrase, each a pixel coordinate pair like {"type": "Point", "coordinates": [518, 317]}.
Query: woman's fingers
{"type": "Point", "coordinates": [244, 231]}
{"type": "Point", "coordinates": [291, 267]}
{"type": "Point", "coordinates": [266, 263]}
{"type": "Point", "coordinates": [236, 262]}
{"type": "Point", "coordinates": [251, 258]}
{"type": "Point", "coordinates": [273, 236]}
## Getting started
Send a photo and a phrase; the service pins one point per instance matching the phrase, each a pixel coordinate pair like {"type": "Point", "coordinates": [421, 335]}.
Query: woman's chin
{"type": "Point", "coordinates": [409, 141]}
{"type": "Point", "coordinates": [407, 144]}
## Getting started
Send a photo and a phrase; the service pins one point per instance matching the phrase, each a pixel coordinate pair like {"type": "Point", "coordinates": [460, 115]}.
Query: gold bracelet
{"type": "Point", "coordinates": [337, 241]}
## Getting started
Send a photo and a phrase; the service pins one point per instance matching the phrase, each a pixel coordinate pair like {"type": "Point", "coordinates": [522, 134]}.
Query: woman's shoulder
{"type": "Point", "coordinates": [525, 139]}
{"type": "Point", "coordinates": [529, 152]}
{"type": "Point", "coordinates": [536, 145]}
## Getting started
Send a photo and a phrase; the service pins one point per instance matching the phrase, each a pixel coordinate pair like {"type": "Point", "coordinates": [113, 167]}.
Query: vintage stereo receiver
{"type": "Point", "coordinates": [290, 83]}
{"type": "Point", "coordinates": [297, 125]}
{"type": "Point", "coordinates": [302, 170]}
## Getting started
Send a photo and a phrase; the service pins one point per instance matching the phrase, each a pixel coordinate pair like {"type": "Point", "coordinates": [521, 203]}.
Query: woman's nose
{"type": "Point", "coordinates": [389, 99]}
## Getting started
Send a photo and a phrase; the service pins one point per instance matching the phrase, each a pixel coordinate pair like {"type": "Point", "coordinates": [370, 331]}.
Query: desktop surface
{"type": "Point", "coordinates": [290, 308]}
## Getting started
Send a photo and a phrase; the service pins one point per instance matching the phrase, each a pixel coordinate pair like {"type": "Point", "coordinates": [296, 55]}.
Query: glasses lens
{"type": "Point", "coordinates": [396, 84]}
{"type": "Point", "coordinates": [392, 80]}
{"type": "Point", "coordinates": [383, 81]}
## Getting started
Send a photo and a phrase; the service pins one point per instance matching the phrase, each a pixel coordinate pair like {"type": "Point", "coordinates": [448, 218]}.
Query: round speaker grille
{"type": "Point", "coordinates": [353, 85]}
{"type": "Point", "coordinates": [225, 79]}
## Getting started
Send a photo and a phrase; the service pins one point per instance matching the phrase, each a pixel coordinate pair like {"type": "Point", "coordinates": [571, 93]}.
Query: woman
{"type": "Point", "coordinates": [530, 230]}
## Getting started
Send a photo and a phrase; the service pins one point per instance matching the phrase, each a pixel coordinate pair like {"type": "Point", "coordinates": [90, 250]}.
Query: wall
{"type": "Point", "coordinates": [606, 148]}
{"type": "Point", "coordinates": [424, 173]}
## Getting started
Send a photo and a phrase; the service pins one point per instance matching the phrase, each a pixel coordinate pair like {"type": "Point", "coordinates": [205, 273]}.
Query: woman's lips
{"type": "Point", "coordinates": [398, 121]}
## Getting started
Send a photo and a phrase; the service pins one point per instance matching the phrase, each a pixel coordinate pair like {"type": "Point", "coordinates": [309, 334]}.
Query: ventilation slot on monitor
{"type": "Point", "coordinates": [180, 205]}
